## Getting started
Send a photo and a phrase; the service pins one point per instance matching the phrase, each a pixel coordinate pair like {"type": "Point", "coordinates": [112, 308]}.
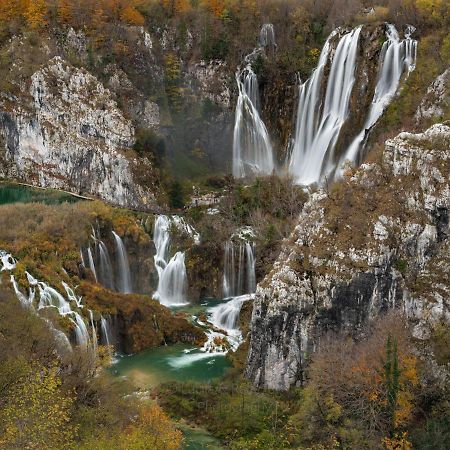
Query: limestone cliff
{"type": "Point", "coordinates": [65, 131]}
{"type": "Point", "coordinates": [376, 241]}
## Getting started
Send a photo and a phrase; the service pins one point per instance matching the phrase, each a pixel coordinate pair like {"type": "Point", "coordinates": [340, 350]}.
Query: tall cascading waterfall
{"type": "Point", "coordinates": [172, 277]}
{"type": "Point", "coordinates": [318, 126]}
{"type": "Point", "coordinates": [252, 149]}
{"type": "Point", "coordinates": [239, 269]}
{"type": "Point", "coordinates": [397, 58]}
{"type": "Point", "coordinates": [124, 282]}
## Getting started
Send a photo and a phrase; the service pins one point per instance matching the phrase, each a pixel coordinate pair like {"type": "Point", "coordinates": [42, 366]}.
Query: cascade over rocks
{"type": "Point", "coordinates": [67, 132]}
{"type": "Point", "coordinates": [378, 241]}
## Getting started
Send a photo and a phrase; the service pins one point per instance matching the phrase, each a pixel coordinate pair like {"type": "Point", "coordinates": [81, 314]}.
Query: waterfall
{"type": "Point", "coordinates": [161, 238]}
{"type": "Point", "coordinates": [106, 332]}
{"type": "Point", "coordinates": [172, 278]}
{"type": "Point", "coordinates": [106, 276]}
{"type": "Point", "coordinates": [252, 150]}
{"type": "Point", "coordinates": [397, 57]}
{"type": "Point", "coordinates": [239, 269]}
{"type": "Point", "coordinates": [91, 263]}
{"type": "Point", "coordinates": [93, 331]}
{"type": "Point", "coordinates": [225, 316]}
{"type": "Point", "coordinates": [318, 126]}
{"type": "Point", "coordinates": [251, 277]}
{"type": "Point", "coordinates": [51, 298]}
{"type": "Point", "coordinates": [267, 36]}
{"type": "Point", "coordinates": [124, 284]}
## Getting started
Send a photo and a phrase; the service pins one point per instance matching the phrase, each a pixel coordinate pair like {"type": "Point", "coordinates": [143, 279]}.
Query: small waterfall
{"type": "Point", "coordinates": [251, 277]}
{"type": "Point", "coordinates": [172, 278]}
{"type": "Point", "coordinates": [106, 336]}
{"type": "Point", "coordinates": [106, 276]}
{"type": "Point", "coordinates": [124, 283]}
{"type": "Point", "coordinates": [397, 57]}
{"type": "Point", "coordinates": [318, 126]}
{"type": "Point", "coordinates": [267, 36]}
{"type": "Point", "coordinates": [83, 263]}
{"type": "Point", "coordinates": [225, 316]}
{"type": "Point", "coordinates": [239, 269]}
{"type": "Point", "coordinates": [93, 331]}
{"type": "Point", "coordinates": [51, 298]}
{"type": "Point", "coordinates": [91, 263]}
{"type": "Point", "coordinates": [172, 283]}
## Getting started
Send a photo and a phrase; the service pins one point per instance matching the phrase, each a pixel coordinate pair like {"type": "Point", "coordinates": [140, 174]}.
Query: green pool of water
{"type": "Point", "coordinates": [198, 439]}
{"type": "Point", "coordinates": [16, 193]}
{"type": "Point", "coordinates": [178, 362]}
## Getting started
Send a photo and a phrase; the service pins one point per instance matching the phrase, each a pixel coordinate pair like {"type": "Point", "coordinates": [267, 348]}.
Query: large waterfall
{"type": "Point", "coordinates": [172, 278]}
{"type": "Point", "coordinates": [318, 126]}
{"type": "Point", "coordinates": [124, 284]}
{"type": "Point", "coordinates": [397, 57]}
{"type": "Point", "coordinates": [239, 269]}
{"type": "Point", "coordinates": [252, 149]}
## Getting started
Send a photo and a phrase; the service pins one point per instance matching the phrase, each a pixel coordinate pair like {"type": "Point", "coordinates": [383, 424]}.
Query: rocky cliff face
{"type": "Point", "coordinates": [376, 241]}
{"type": "Point", "coordinates": [65, 131]}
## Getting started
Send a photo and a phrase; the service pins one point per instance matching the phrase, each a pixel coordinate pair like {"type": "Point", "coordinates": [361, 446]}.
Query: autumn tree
{"type": "Point", "coordinates": [36, 413]}
{"type": "Point", "coordinates": [365, 387]}
{"type": "Point", "coordinates": [36, 13]}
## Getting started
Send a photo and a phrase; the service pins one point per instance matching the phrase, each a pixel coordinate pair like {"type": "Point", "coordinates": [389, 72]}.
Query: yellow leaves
{"type": "Point", "coordinates": [398, 442]}
{"type": "Point", "coordinates": [37, 413]}
{"type": "Point", "coordinates": [36, 14]}
{"type": "Point", "coordinates": [132, 16]}
{"type": "Point", "coordinates": [153, 430]}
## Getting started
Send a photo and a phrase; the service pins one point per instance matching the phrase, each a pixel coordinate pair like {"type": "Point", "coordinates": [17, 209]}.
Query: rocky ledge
{"type": "Point", "coordinates": [377, 240]}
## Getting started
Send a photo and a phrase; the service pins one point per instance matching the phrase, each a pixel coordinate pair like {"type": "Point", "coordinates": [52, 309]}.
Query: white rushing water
{"type": "Point", "coordinates": [267, 36]}
{"type": "Point", "coordinates": [124, 279]}
{"type": "Point", "coordinates": [48, 297]}
{"type": "Point", "coordinates": [397, 58]}
{"type": "Point", "coordinates": [106, 275]}
{"type": "Point", "coordinates": [318, 126]}
{"type": "Point", "coordinates": [239, 269]}
{"type": "Point", "coordinates": [252, 149]}
{"type": "Point", "coordinates": [172, 277]}
{"type": "Point", "coordinates": [91, 263]}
